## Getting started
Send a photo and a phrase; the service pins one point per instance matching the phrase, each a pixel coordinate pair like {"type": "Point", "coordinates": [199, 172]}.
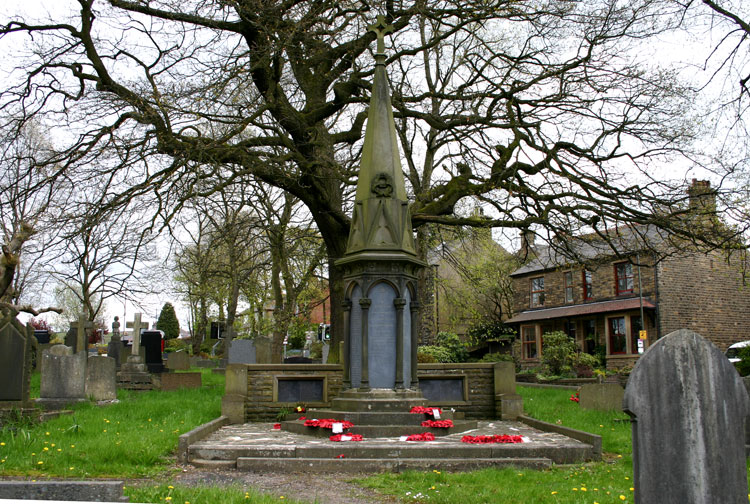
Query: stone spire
{"type": "Point", "coordinates": [381, 221]}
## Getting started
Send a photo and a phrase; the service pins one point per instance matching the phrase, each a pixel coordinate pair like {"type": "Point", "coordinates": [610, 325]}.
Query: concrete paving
{"type": "Point", "coordinates": [259, 447]}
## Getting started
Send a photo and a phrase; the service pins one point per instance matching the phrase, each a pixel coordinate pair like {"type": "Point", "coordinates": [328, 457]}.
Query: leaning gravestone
{"type": "Point", "coordinates": [101, 378]}
{"type": "Point", "coordinates": [688, 406]}
{"type": "Point", "coordinates": [16, 347]}
{"type": "Point", "coordinates": [63, 377]}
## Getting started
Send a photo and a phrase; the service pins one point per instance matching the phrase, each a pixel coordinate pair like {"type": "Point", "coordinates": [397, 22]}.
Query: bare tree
{"type": "Point", "coordinates": [537, 108]}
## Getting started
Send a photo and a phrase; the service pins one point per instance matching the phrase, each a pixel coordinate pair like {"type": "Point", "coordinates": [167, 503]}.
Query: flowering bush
{"type": "Point", "coordinates": [442, 424]}
{"type": "Point", "coordinates": [497, 438]}
{"type": "Point", "coordinates": [347, 437]}
{"type": "Point", "coordinates": [425, 410]}
{"type": "Point", "coordinates": [327, 423]}
{"type": "Point", "coordinates": [425, 436]}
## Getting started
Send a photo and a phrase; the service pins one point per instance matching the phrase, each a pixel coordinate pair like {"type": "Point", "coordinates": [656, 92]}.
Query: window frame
{"type": "Point", "coordinates": [627, 276]}
{"type": "Point", "coordinates": [611, 334]}
{"type": "Point", "coordinates": [568, 292]}
{"type": "Point", "coordinates": [587, 278]}
{"type": "Point", "coordinates": [536, 297]}
{"type": "Point", "coordinates": [634, 332]}
{"type": "Point", "coordinates": [529, 342]}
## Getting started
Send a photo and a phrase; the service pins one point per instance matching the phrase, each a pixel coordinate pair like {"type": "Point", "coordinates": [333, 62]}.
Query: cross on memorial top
{"type": "Point", "coordinates": [380, 29]}
{"type": "Point", "coordinates": [82, 324]}
{"type": "Point", "coordinates": [137, 326]}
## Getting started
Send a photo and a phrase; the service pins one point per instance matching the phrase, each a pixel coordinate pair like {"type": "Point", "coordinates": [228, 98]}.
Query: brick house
{"type": "Point", "coordinates": [605, 303]}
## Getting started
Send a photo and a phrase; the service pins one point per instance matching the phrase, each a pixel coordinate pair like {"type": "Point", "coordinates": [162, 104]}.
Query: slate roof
{"type": "Point", "coordinates": [582, 309]}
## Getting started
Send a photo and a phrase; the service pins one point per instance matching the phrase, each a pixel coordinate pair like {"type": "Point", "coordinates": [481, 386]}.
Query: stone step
{"type": "Point", "coordinates": [393, 450]}
{"type": "Point", "coordinates": [380, 431]}
{"type": "Point", "coordinates": [345, 465]}
{"type": "Point", "coordinates": [378, 418]}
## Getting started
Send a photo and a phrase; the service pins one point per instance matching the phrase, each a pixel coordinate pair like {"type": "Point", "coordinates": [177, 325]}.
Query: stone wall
{"type": "Point", "coordinates": [249, 395]}
{"type": "Point", "coordinates": [704, 293]}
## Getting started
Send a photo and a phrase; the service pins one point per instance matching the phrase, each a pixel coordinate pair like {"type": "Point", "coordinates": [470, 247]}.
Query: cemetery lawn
{"type": "Point", "coordinates": [134, 438]}
{"type": "Point", "coordinates": [608, 481]}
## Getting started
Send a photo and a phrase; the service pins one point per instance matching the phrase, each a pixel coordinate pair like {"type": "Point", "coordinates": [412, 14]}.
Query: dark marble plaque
{"type": "Point", "coordinates": [12, 363]}
{"type": "Point", "coordinates": [303, 390]}
{"type": "Point", "coordinates": [355, 339]}
{"type": "Point", "coordinates": [151, 342]}
{"type": "Point", "coordinates": [442, 389]}
{"type": "Point", "coordinates": [382, 337]}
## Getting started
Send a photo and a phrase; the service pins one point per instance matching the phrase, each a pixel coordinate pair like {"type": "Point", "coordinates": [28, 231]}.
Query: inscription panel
{"type": "Point", "coordinates": [449, 389]}
{"type": "Point", "coordinates": [301, 390]}
{"type": "Point", "coordinates": [382, 337]}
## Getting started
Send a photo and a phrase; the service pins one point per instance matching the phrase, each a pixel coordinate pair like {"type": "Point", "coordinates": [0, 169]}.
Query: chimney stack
{"type": "Point", "coordinates": [701, 197]}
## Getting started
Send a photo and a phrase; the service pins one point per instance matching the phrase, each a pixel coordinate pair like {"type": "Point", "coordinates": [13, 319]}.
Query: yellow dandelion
{"type": "Point", "coordinates": [39, 463]}
{"type": "Point", "coordinates": [575, 489]}
{"type": "Point", "coordinates": [59, 449]}
{"type": "Point", "coordinates": [170, 487]}
{"type": "Point", "coordinates": [632, 489]}
{"type": "Point", "coordinates": [281, 497]}
{"type": "Point", "coordinates": [52, 445]}
{"type": "Point", "coordinates": [583, 489]}
{"type": "Point", "coordinates": [554, 492]}
{"type": "Point", "coordinates": [432, 487]}
{"type": "Point", "coordinates": [167, 499]}
{"type": "Point", "coordinates": [46, 433]}
{"type": "Point", "coordinates": [627, 478]}
{"type": "Point", "coordinates": [71, 468]}
{"type": "Point", "coordinates": [45, 449]}
{"type": "Point", "coordinates": [105, 430]}
{"type": "Point", "coordinates": [149, 419]}
{"type": "Point", "coordinates": [2, 444]}
{"type": "Point", "coordinates": [619, 456]}
{"type": "Point", "coordinates": [622, 497]}
{"type": "Point", "coordinates": [436, 471]}
{"type": "Point", "coordinates": [2, 461]}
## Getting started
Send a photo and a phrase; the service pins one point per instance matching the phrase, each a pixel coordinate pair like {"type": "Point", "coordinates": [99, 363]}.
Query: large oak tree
{"type": "Point", "coordinates": [539, 109]}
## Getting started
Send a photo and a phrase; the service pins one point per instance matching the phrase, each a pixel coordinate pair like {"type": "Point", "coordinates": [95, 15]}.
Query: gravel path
{"type": "Point", "coordinates": [306, 487]}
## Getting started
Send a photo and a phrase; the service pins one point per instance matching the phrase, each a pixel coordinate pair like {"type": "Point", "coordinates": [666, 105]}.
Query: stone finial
{"type": "Point", "coordinates": [381, 30]}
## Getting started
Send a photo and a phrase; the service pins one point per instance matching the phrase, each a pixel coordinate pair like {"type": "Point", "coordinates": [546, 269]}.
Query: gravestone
{"type": "Point", "coordinates": [689, 407]}
{"type": "Point", "coordinates": [601, 396]}
{"type": "Point", "coordinates": [508, 404]}
{"type": "Point", "coordinates": [178, 361]}
{"type": "Point", "coordinates": [16, 347]}
{"type": "Point", "coordinates": [242, 352]}
{"type": "Point", "coordinates": [101, 376]}
{"type": "Point", "coordinates": [115, 346]}
{"type": "Point", "coordinates": [133, 374]}
{"type": "Point", "coordinates": [63, 377]}
{"type": "Point", "coordinates": [262, 350]}
{"type": "Point", "coordinates": [151, 342]}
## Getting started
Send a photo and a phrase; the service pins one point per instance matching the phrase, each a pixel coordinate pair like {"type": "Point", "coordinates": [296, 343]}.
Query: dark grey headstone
{"type": "Point", "coordinates": [300, 391]}
{"type": "Point", "coordinates": [115, 349]}
{"type": "Point", "coordinates": [151, 342]}
{"type": "Point", "coordinates": [242, 351]}
{"type": "Point", "coordinates": [689, 406]}
{"type": "Point", "coordinates": [15, 360]}
{"type": "Point", "coordinates": [442, 389]}
{"type": "Point", "coordinates": [381, 337]}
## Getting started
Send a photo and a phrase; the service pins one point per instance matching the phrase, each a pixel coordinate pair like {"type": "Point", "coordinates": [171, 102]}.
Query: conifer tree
{"type": "Point", "coordinates": [168, 322]}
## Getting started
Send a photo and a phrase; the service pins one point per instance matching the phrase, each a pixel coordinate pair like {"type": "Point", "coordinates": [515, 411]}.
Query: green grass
{"type": "Point", "coordinates": [134, 438]}
{"type": "Point", "coordinates": [165, 493]}
{"type": "Point", "coordinates": [609, 481]}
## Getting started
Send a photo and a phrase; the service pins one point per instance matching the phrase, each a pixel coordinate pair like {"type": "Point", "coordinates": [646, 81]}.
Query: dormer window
{"type": "Point", "coordinates": [623, 279]}
{"type": "Point", "coordinates": [537, 291]}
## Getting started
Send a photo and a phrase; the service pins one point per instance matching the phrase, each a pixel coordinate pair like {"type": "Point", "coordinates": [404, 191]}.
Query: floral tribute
{"type": "Point", "coordinates": [425, 436]}
{"type": "Point", "coordinates": [497, 438]}
{"type": "Point", "coordinates": [426, 410]}
{"type": "Point", "coordinates": [327, 423]}
{"type": "Point", "coordinates": [277, 426]}
{"type": "Point", "coordinates": [300, 409]}
{"type": "Point", "coordinates": [441, 424]}
{"type": "Point", "coordinates": [575, 397]}
{"type": "Point", "coordinates": [346, 437]}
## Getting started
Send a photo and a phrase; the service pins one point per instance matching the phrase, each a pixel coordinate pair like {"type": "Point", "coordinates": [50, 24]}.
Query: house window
{"type": "Point", "coordinates": [588, 286]}
{"type": "Point", "coordinates": [568, 285]}
{"type": "Point", "coordinates": [589, 335]}
{"type": "Point", "coordinates": [617, 336]}
{"type": "Point", "coordinates": [623, 278]}
{"type": "Point", "coordinates": [537, 291]}
{"type": "Point", "coordinates": [570, 329]}
{"type": "Point", "coordinates": [529, 342]}
{"type": "Point", "coordinates": [635, 328]}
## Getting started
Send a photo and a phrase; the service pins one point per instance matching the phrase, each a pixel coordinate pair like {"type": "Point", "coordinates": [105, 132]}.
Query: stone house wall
{"type": "Point", "coordinates": [704, 293]}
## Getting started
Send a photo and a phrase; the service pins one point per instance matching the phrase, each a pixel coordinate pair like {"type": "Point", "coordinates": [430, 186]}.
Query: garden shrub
{"type": "Point", "coordinates": [497, 357]}
{"type": "Point", "coordinates": [743, 366]}
{"type": "Point", "coordinates": [559, 352]}
{"type": "Point", "coordinates": [453, 344]}
{"type": "Point", "coordinates": [437, 353]}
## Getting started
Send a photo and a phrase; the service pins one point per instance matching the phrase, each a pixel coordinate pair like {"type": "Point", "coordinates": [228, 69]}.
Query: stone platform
{"type": "Point", "coordinates": [259, 447]}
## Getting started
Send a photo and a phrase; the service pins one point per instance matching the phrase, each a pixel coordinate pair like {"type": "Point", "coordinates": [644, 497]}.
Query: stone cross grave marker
{"type": "Point", "coordinates": [688, 406]}
{"type": "Point", "coordinates": [82, 342]}
{"type": "Point", "coordinates": [137, 325]}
